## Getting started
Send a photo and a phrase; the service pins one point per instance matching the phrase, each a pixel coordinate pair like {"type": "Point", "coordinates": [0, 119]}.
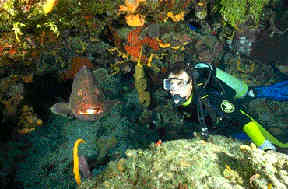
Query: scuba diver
{"type": "Point", "coordinates": [213, 97]}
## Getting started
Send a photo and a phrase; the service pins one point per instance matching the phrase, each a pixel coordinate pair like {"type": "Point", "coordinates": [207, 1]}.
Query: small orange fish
{"type": "Point", "coordinates": [158, 143]}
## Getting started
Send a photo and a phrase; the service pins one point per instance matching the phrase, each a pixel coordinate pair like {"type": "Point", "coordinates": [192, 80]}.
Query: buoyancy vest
{"type": "Point", "coordinates": [207, 75]}
{"type": "Point", "coordinates": [205, 80]}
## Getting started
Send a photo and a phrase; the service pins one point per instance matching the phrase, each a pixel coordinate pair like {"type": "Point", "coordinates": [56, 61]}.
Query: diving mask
{"type": "Point", "coordinates": [174, 84]}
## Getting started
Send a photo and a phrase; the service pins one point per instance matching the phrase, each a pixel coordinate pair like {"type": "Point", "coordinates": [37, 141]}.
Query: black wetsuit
{"type": "Point", "coordinates": [219, 108]}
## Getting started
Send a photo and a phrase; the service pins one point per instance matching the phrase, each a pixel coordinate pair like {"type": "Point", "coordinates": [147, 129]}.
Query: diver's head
{"type": "Point", "coordinates": [178, 83]}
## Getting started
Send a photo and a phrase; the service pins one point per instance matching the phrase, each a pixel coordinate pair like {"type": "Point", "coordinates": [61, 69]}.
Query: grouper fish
{"type": "Point", "coordinates": [86, 101]}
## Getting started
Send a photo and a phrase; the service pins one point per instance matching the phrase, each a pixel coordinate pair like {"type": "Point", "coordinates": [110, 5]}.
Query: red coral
{"type": "Point", "coordinates": [134, 44]}
{"type": "Point", "coordinates": [133, 37]}
{"type": "Point", "coordinates": [153, 43]}
{"type": "Point", "coordinates": [134, 51]}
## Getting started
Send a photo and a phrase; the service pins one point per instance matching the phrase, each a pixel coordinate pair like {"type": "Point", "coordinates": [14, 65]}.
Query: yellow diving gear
{"type": "Point", "coordinates": [257, 137]}
{"type": "Point", "coordinates": [188, 101]}
{"type": "Point", "coordinates": [253, 131]}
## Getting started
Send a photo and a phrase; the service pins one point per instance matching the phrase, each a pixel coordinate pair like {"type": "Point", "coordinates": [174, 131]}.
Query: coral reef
{"type": "Point", "coordinates": [31, 28]}
{"type": "Point", "coordinates": [201, 10]}
{"type": "Point", "coordinates": [11, 95]}
{"type": "Point", "coordinates": [270, 167]}
{"type": "Point", "coordinates": [243, 39]}
{"type": "Point", "coordinates": [238, 12]}
{"type": "Point", "coordinates": [104, 144]}
{"type": "Point", "coordinates": [77, 64]}
{"type": "Point", "coordinates": [51, 38]}
{"type": "Point", "coordinates": [28, 120]}
{"type": "Point", "coordinates": [50, 150]}
{"type": "Point", "coordinates": [220, 163]}
{"type": "Point", "coordinates": [208, 49]}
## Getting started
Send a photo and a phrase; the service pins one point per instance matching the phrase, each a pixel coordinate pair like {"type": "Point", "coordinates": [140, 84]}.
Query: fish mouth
{"type": "Point", "coordinates": [91, 111]}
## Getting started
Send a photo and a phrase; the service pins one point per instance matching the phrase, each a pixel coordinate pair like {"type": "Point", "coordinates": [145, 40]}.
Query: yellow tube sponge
{"type": "Point", "coordinates": [141, 83]}
{"type": "Point", "coordinates": [76, 160]}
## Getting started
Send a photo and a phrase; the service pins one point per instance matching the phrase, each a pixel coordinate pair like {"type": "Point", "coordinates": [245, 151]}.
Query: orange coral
{"type": "Point", "coordinates": [133, 50]}
{"type": "Point", "coordinates": [77, 64]}
{"type": "Point", "coordinates": [130, 8]}
{"type": "Point", "coordinates": [135, 20]}
{"type": "Point", "coordinates": [28, 78]}
{"type": "Point", "coordinates": [176, 17]}
{"type": "Point", "coordinates": [134, 44]}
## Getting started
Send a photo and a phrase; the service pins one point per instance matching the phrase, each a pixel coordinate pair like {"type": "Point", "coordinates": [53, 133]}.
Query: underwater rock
{"type": "Point", "coordinates": [268, 49]}
{"type": "Point", "coordinates": [218, 163]}
{"type": "Point", "coordinates": [86, 101]}
{"type": "Point", "coordinates": [208, 48]}
{"type": "Point", "coordinates": [243, 41]}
